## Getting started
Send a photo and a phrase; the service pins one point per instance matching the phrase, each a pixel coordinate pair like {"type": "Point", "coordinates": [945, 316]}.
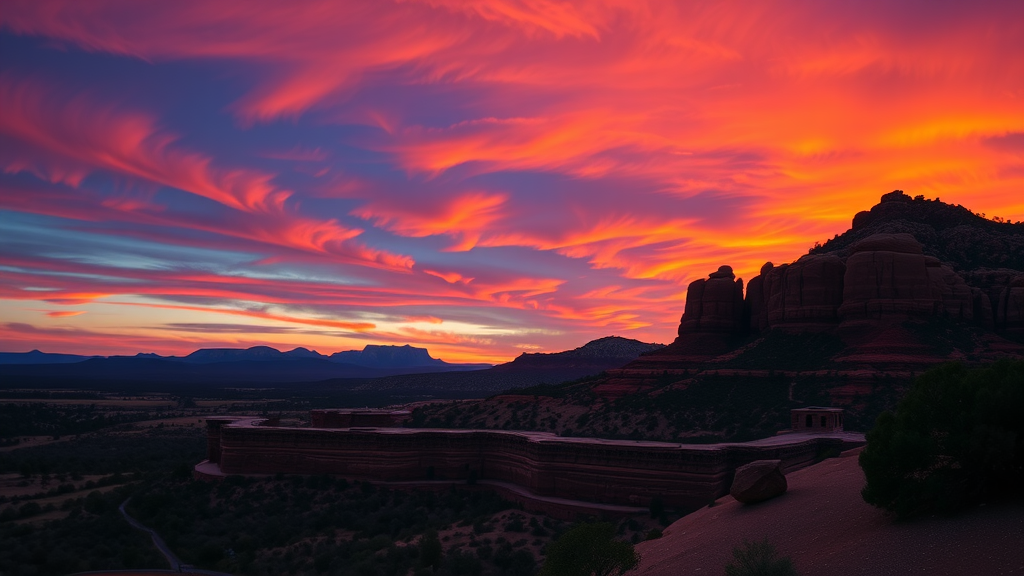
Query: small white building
{"type": "Point", "coordinates": [817, 419]}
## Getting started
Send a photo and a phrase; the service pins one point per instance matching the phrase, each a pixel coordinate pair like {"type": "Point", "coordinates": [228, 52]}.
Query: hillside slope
{"type": "Point", "coordinates": [826, 527]}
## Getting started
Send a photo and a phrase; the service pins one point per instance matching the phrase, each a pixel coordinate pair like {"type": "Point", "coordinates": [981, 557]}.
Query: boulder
{"type": "Point", "coordinates": [713, 306]}
{"type": "Point", "coordinates": [758, 481]}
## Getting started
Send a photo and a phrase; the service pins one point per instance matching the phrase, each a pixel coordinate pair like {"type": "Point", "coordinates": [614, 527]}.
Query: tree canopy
{"type": "Point", "coordinates": [956, 439]}
{"type": "Point", "coordinates": [589, 549]}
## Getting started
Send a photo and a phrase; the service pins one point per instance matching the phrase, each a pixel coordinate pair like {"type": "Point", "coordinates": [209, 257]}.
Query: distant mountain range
{"type": "Point", "coordinates": [256, 364]}
{"type": "Point", "coordinates": [372, 356]}
{"type": "Point", "coordinates": [374, 368]}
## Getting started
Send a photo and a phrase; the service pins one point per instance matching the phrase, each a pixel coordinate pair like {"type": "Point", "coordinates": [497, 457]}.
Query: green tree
{"type": "Point", "coordinates": [957, 438]}
{"type": "Point", "coordinates": [589, 549]}
{"type": "Point", "coordinates": [758, 559]}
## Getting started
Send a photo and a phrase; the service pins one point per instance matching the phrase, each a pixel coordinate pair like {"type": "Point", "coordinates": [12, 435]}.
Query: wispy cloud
{"type": "Point", "coordinates": [483, 176]}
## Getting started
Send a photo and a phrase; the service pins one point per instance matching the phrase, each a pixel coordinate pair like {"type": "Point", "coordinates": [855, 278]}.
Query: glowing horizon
{"type": "Point", "coordinates": [479, 178]}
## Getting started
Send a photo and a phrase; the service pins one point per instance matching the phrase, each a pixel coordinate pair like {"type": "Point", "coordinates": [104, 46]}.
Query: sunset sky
{"type": "Point", "coordinates": [478, 177]}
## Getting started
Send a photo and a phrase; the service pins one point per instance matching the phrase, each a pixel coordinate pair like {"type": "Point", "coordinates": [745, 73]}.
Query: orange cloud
{"type": "Point", "coordinates": [465, 217]}
{"type": "Point", "coordinates": [449, 277]}
{"type": "Point", "coordinates": [577, 162]}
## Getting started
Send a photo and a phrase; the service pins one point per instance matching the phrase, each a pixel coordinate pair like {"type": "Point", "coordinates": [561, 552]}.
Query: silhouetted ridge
{"type": "Point", "coordinates": [37, 357]}
{"type": "Point", "coordinates": [953, 234]}
{"type": "Point", "coordinates": [610, 347]}
{"type": "Point", "coordinates": [598, 355]}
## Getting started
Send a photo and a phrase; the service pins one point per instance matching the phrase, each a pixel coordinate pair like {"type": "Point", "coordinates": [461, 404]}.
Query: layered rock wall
{"type": "Point", "coordinates": [598, 471]}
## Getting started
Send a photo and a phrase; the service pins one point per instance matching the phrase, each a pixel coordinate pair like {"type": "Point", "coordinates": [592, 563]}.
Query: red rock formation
{"type": "Point", "coordinates": [886, 275]}
{"type": "Point", "coordinates": [713, 306]}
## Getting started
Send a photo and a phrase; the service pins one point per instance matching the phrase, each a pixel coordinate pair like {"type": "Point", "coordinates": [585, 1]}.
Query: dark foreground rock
{"type": "Point", "coordinates": [758, 481]}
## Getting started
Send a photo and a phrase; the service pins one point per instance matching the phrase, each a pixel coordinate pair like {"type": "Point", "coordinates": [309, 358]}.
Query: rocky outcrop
{"type": "Point", "coordinates": [715, 305]}
{"type": "Point", "coordinates": [758, 481]}
{"type": "Point", "coordinates": [871, 293]}
{"type": "Point", "coordinates": [884, 276]}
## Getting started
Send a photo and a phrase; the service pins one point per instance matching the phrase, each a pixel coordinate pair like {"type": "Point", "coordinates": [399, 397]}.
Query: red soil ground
{"type": "Point", "coordinates": [826, 528]}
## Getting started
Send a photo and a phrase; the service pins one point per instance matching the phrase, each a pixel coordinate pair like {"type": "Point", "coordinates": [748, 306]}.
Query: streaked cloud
{"type": "Point", "coordinates": [482, 177]}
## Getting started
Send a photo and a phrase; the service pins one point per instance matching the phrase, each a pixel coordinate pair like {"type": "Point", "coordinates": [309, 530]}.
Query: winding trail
{"type": "Point", "coordinates": [172, 559]}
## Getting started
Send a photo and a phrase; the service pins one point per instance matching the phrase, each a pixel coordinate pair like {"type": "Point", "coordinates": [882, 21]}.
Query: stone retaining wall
{"type": "Point", "coordinates": [611, 472]}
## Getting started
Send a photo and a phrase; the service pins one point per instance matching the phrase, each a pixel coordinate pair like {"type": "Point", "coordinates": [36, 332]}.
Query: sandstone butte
{"type": "Point", "coordinates": [904, 260]}
{"type": "Point", "coordinates": [824, 525]}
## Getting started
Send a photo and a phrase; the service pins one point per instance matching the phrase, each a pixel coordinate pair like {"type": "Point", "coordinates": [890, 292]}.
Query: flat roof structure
{"type": "Point", "coordinates": [817, 419]}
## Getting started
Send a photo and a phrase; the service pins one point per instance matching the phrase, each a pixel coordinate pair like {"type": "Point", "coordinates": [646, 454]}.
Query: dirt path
{"type": "Point", "coordinates": [172, 559]}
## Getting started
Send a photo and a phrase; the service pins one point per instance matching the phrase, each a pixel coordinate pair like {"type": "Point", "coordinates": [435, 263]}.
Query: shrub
{"type": "Point", "coordinates": [758, 559]}
{"type": "Point", "coordinates": [30, 509]}
{"type": "Point", "coordinates": [589, 550]}
{"type": "Point", "coordinates": [430, 550]}
{"type": "Point", "coordinates": [956, 439]}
